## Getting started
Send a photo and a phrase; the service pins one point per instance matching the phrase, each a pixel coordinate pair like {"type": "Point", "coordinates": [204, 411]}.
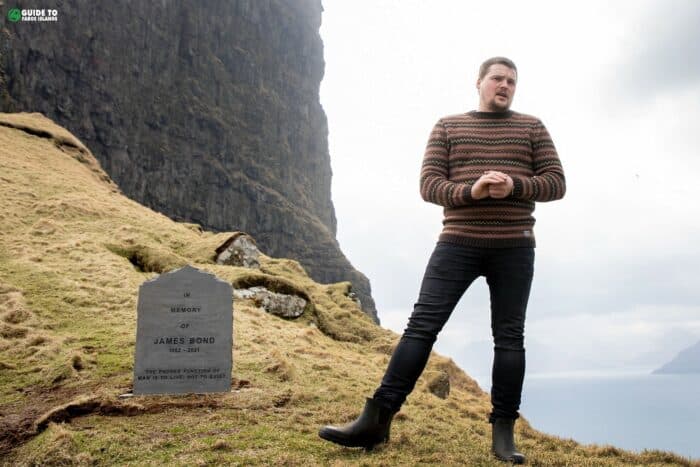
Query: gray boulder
{"type": "Point", "coordinates": [239, 250]}
{"type": "Point", "coordinates": [282, 305]}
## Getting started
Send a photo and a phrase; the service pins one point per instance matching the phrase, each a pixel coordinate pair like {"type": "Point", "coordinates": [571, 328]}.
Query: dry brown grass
{"type": "Point", "coordinates": [281, 366]}
{"type": "Point", "coordinates": [73, 253]}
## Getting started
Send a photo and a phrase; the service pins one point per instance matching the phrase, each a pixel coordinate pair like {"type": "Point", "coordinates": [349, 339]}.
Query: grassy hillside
{"type": "Point", "coordinates": [73, 253]}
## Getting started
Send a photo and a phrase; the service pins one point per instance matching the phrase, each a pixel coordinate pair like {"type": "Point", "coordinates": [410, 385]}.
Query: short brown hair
{"type": "Point", "coordinates": [484, 68]}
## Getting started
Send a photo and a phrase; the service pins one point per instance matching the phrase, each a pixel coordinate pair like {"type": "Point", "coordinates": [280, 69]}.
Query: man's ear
{"type": "Point", "coordinates": [478, 83]}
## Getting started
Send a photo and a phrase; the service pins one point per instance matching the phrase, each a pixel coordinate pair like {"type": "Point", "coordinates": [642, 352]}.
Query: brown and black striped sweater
{"type": "Point", "coordinates": [462, 147]}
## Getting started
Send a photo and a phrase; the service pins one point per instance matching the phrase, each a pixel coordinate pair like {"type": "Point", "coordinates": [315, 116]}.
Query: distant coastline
{"type": "Point", "coordinates": [601, 406]}
{"type": "Point", "coordinates": [686, 362]}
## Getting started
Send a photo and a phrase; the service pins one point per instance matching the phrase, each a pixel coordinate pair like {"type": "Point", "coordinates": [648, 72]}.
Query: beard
{"type": "Point", "coordinates": [498, 106]}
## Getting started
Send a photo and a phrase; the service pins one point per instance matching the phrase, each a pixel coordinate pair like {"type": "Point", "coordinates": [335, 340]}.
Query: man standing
{"type": "Point", "coordinates": [486, 168]}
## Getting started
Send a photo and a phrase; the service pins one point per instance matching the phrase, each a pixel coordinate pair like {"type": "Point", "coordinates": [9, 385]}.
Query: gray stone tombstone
{"type": "Point", "coordinates": [184, 334]}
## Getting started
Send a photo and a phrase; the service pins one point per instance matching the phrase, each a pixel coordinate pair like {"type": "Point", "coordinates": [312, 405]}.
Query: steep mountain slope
{"type": "Point", "coordinates": [208, 112]}
{"type": "Point", "coordinates": [73, 252]}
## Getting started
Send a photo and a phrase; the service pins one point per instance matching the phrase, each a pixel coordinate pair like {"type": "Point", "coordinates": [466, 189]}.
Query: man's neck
{"type": "Point", "coordinates": [491, 114]}
{"type": "Point", "coordinates": [492, 110]}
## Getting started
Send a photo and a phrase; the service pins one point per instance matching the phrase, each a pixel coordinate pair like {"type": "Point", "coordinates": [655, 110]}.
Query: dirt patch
{"type": "Point", "coordinates": [18, 419]}
{"type": "Point", "coordinates": [15, 430]}
{"type": "Point", "coordinates": [18, 428]}
{"type": "Point", "coordinates": [64, 413]}
{"type": "Point", "coordinates": [282, 399]}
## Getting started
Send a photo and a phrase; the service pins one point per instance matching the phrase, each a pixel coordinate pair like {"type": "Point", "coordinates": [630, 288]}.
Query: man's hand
{"type": "Point", "coordinates": [494, 184]}
{"type": "Point", "coordinates": [502, 189]}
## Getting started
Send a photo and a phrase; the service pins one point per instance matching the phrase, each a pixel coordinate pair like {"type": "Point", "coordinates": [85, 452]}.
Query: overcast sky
{"type": "Point", "coordinates": [617, 282]}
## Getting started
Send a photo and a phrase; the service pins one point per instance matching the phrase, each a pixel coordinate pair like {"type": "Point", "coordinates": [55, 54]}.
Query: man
{"type": "Point", "coordinates": [487, 168]}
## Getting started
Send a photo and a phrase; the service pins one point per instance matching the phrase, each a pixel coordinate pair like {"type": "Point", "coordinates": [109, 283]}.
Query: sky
{"type": "Point", "coordinates": [617, 84]}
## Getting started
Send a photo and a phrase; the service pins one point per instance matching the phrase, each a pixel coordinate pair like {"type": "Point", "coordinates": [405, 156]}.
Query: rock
{"type": "Point", "coordinates": [353, 296]}
{"type": "Point", "coordinates": [439, 385]}
{"type": "Point", "coordinates": [282, 305]}
{"type": "Point", "coordinates": [209, 114]}
{"type": "Point", "coordinates": [245, 294]}
{"type": "Point", "coordinates": [239, 250]}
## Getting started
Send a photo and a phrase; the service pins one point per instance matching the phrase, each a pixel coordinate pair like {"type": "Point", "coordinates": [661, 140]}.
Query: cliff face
{"type": "Point", "coordinates": [207, 112]}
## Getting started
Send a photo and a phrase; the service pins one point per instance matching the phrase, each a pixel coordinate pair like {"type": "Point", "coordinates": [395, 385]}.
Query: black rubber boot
{"type": "Point", "coordinates": [368, 430]}
{"type": "Point", "coordinates": [503, 443]}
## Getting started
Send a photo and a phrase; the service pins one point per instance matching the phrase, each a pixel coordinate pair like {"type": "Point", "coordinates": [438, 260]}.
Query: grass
{"type": "Point", "coordinates": [73, 253]}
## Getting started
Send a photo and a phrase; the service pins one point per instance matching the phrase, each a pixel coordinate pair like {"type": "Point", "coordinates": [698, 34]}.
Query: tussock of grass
{"type": "Point", "coordinates": [58, 446]}
{"type": "Point", "coordinates": [36, 341]}
{"type": "Point", "coordinates": [283, 267]}
{"type": "Point", "coordinates": [220, 445]}
{"type": "Point", "coordinates": [73, 254]}
{"type": "Point", "coordinates": [58, 371]}
{"type": "Point", "coordinates": [273, 284]}
{"type": "Point", "coordinates": [16, 316]}
{"type": "Point", "coordinates": [14, 306]}
{"type": "Point", "coordinates": [341, 318]}
{"type": "Point", "coordinates": [203, 250]}
{"type": "Point", "coordinates": [9, 331]}
{"type": "Point", "coordinates": [281, 366]}
{"type": "Point", "coordinates": [149, 258]}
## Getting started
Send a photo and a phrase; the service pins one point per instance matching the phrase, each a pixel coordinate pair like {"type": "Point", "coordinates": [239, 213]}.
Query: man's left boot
{"type": "Point", "coordinates": [503, 442]}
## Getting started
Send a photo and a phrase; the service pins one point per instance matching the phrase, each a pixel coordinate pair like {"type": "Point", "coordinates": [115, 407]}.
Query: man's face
{"type": "Point", "coordinates": [496, 89]}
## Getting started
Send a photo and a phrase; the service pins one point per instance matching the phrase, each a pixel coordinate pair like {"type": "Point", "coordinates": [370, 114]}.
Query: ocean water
{"type": "Point", "coordinates": [634, 411]}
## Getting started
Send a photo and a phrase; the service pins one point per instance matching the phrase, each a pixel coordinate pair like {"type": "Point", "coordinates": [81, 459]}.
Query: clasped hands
{"type": "Point", "coordinates": [492, 184]}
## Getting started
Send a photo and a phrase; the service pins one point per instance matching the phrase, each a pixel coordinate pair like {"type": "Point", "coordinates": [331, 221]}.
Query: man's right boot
{"type": "Point", "coordinates": [368, 430]}
{"type": "Point", "coordinates": [503, 442]}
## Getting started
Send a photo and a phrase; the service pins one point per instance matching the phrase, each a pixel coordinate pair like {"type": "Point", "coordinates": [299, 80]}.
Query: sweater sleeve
{"type": "Point", "coordinates": [548, 183]}
{"type": "Point", "coordinates": [435, 185]}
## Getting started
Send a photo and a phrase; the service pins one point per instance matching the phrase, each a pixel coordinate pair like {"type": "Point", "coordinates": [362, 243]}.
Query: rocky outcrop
{"type": "Point", "coordinates": [282, 305]}
{"type": "Point", "coordinates": [208, 112]}
{"type": "Point", "coordinates": [239, 250]}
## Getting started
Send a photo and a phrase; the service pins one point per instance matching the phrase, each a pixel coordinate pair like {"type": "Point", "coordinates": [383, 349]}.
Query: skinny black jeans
{"type": "Point", "coordinates": [450, 271]}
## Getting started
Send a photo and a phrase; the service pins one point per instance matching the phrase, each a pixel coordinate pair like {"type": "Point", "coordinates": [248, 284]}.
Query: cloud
{"type": "Point", "coordinates": [663, 55]}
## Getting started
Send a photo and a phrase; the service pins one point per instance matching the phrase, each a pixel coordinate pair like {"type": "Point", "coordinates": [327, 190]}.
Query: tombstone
{"type": "Point", "coordinates": [184, 334]}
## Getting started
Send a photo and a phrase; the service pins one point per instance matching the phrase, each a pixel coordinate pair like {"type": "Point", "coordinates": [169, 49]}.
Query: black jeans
{"type": "Point", "coordinates": [450, 271]}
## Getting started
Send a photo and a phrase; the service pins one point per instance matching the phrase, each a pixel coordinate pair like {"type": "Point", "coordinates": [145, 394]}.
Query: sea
{"type": "Point", "coordinates": [633, 410]}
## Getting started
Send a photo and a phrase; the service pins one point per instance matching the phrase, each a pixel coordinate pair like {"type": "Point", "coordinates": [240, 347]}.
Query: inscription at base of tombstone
{"type": "Point", "coordinates": [184, 334]}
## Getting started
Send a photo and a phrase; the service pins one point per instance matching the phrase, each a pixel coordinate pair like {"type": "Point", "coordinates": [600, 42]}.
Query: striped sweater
{"type": "Point", "coordinates": [462, 147]}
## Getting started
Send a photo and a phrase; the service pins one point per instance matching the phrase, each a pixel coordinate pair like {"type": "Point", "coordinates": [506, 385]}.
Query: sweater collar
{"type": "Point", "coordinates": [504, 114]}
